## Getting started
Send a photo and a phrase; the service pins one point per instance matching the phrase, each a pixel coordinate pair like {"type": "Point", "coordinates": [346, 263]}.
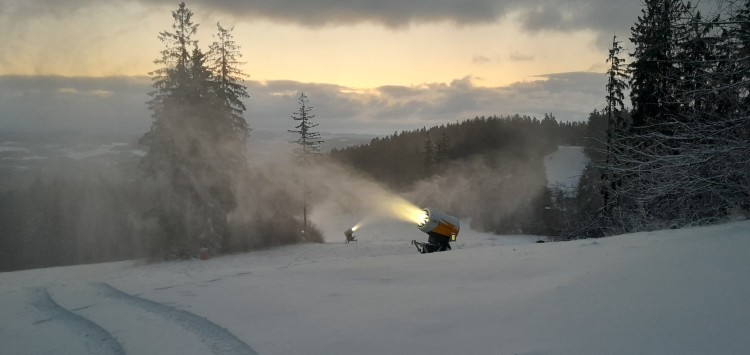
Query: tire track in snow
{"type": "Point", "coordinates": [98, 340]}
{"type": "Point", "coordinates": [218, 338]}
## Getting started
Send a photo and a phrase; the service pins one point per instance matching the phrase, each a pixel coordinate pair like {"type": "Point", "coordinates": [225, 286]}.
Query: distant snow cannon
{"type": "Point", "coordinates": [349, 234]}
{"type": "Point", "coordinates": [441, 229]}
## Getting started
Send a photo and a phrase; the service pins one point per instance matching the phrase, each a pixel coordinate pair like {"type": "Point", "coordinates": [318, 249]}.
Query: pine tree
{"type": "Point", "coordinates": [224, 57]}
{"type": "Point", "coordinates": [428, 156]}
{"type": "Point", "coordinates": [442, 146]}
{"type": "Point", "coordinates": [309, 142]}
{"type": "Point", "coordinates": [653, 37]}
{"type": "Point", "coordinates": [194, 154]}
{"type": "Point", "coordinates": [169, 82]}
{"type": "Point", "coordinates": [735, 49]}
{"type": "Point", "coordinates": [616, 83]}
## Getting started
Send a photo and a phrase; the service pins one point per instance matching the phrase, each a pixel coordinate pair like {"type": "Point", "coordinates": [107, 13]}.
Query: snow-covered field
{"type": "Point", "coordinates": [669, 292]}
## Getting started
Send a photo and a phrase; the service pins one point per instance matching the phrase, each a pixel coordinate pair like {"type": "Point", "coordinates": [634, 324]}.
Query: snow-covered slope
{"type": "Point", "coordinates": [564, 167]}
{"type": "Point", "coordinates": [669, 292]}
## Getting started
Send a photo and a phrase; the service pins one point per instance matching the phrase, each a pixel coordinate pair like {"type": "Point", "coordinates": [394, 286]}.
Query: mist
{"type": "Point", "coordinates": [277, 183]}
{"type": "Point", "coordinates": [85, 207]}
{"type": "Point", "coordinates": [486, 192]}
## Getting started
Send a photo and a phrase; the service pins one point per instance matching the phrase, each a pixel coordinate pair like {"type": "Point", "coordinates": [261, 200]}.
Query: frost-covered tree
{"type": "Point", "coordinates": [690, 166]}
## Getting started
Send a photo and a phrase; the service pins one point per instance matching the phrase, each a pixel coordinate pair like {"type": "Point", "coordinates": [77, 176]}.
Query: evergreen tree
{"type": "Point", "coordinates": [685, 163]}
{"type": "Point", "coordinates": [653, 37]}
{"type": "Point", "coordinates": [429, 156]}
{"type": "Point", "coordinates": [309, 142]}
{"type": "Point", "coordinates": [695, 60]}
{"type": "Point", "coordinates": [734, 48]}
{"type": "Point", "coordinates": [194, 154]}
{"type": "Point", "coordinates": [616, 83]}
{"type": "Point", "coordinates": [442, 146]}
{"type": "Point", "coordinates": [224, 63]}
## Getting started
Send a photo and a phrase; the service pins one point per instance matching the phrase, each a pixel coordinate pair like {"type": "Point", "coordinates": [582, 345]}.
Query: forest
{"type": "Point", "coordinates": [679, 156]}
{"type": "Point", "coordinates": [401, 159]}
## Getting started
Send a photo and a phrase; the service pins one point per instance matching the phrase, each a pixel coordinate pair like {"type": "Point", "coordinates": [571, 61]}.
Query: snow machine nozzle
{"type": "Point", "coordinates": [440, 224]}
{"type": "Point", "coordinates": [441, 229]}
{"type": "Point", "coordinates": [349, 234]}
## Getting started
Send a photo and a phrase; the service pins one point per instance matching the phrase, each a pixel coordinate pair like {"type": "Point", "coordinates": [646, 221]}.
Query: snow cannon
{"type": "Point", "coordinates": [441, 229]}
{"type": "Point", "coordinates": [439, 225]}
{"type": "Point", "coordinates": [349, 234]}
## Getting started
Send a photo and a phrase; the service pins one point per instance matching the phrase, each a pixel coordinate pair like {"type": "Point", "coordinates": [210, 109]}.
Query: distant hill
{"type": "Point", "coordinates": [401, 159]}
{"type": "Point", "coordinates": [489, 169]}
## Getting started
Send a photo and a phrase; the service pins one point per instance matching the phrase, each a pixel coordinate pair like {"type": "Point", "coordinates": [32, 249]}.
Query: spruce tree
{"type": "Point", "coordinates": [442, 146]}
{"type": "Point", "coordinates": [309, 142]}
{"type": "Point", "coordinates": [616, 84]}
{"type": "Point", "coordinates": [429, 156]}
{"type": "Point", "coordinates": [653, 37]}
{"type": "Point", "coordinates": [161, 164]}
{"type": "Point", "coordinates": [224, 63]}
{"type": "Point", "coordinates": [617, 78]}
{"type": "Point", "coordinates": [194, 154]}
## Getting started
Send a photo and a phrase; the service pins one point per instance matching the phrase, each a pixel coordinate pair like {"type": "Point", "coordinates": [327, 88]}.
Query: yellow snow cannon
{"type": "Point", "coordinates": [441, 229]}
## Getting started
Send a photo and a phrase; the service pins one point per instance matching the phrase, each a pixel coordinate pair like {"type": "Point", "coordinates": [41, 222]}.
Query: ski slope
{"type": "Point", "coordinates": [564, 168]}
{"type": "Point", "coordinates": [668, 292]}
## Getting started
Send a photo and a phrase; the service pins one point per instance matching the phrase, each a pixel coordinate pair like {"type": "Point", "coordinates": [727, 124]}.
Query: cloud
{"type": "Point", "coordinates": [604, 16]}
{"type": "Point", "coordinates": [74, 91]}
{"type": "Point", "coordinates": [390, 13]}
{"type": "Point", "coordinates": [90, 105]}
{"type": "Point", "coordinates": [517, 56]}
{"type": "Point", "coordinates": [480, 59]}
{"type": "Point", "coordinates": [117, 104]}
{"type": "Point", "coordinates": [570, 96]}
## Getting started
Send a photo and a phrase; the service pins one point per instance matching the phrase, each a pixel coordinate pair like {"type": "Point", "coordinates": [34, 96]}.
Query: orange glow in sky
{"type": "Point", "coordinates": [121, 40]}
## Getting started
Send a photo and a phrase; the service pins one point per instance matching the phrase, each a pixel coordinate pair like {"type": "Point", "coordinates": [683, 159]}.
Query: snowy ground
{"type": "Point", "coordinates": [670, 292]}
{"type": "Point", "coordinates": [564, 167]}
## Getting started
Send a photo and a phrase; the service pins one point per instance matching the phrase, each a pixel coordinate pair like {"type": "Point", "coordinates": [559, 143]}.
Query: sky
{"type": "Point", "coordinates": [367, 66]}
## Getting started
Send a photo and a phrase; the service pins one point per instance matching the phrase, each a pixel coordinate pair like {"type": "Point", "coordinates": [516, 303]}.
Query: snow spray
{"type": "Point", "coordinates": [394, 207]}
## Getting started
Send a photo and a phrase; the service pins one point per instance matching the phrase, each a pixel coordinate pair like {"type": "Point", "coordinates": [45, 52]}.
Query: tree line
{"type": "Point", "coordinates": [488, 169]}
{"type": "Point", "coordinates": [403, 158]}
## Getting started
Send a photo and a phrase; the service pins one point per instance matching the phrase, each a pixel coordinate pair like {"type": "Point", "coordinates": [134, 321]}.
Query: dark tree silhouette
{"type": "Point", "coordinates": [309, 144]}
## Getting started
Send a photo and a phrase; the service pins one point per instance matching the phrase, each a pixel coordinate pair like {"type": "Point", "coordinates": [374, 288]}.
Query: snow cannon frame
{"type": "Point", "coordinates": [350, 237]}
{"type": "Point", "coordinates": [440, 224]}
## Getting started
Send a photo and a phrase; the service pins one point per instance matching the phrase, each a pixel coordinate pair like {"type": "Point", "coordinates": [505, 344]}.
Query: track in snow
{"type": "Point", "coordinates": [97, 339]}
{"type": "Point", "coordinates": [219, 339]}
